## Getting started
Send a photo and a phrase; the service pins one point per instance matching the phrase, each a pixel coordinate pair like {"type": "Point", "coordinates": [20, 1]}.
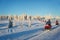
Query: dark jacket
{"type": "Point", "coordinates": [48, 22]}
{"type": "Point", "coordinates": [10, 24]}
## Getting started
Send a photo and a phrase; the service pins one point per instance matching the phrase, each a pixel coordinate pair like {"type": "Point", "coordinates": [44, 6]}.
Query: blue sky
{"type": "Point", "coordinates": [30, 7]}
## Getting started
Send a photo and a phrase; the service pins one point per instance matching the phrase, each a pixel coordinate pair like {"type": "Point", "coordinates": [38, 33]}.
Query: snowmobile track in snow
{"type": "Point", "coordinates": [43, 32]}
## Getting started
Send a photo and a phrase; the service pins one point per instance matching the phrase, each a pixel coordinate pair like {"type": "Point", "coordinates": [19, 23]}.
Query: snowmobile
{"type": "Point", "coordinates": [47, 27]}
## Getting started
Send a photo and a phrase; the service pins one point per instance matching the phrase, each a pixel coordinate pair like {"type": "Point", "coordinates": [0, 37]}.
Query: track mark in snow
{"type": "Point", "coordinates": [51, 35]}
{"type": "Point", "coordinates": [41, 33]}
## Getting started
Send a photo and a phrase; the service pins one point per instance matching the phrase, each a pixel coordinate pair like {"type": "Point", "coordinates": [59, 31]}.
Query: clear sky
{"type": "Point", "coordinates": [30, 7]}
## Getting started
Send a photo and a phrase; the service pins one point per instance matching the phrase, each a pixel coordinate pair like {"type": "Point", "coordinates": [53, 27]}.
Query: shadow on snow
{"type": "Point", "coordinates": [16, 35]}
{"type": "Point", "coordinates": [3, 24]}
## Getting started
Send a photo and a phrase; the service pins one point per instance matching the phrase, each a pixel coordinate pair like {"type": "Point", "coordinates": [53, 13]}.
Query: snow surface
{"type": "Point", "coordinates": [48, 35]}
{"type": "Point", "coordinates": [28, 30]}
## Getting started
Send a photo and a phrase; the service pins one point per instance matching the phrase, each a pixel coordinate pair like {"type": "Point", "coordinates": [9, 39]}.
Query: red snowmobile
{"type": "Point", "coordinates": [48, 26]}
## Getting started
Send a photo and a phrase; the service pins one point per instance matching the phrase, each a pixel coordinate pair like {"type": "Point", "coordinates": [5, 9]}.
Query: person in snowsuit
{"type": "Point", "coordinates": [57, 23]}
{"type": "Point", "coordinates": [48, 24]}
{"type": "Point", "coordinates": [10, 25]}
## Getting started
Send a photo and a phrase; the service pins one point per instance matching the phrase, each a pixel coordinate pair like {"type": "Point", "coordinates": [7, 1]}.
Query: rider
{"type": "Point", "coordinates": [48, 24]}
{"type": "Point", "coordinates": [57, 23]}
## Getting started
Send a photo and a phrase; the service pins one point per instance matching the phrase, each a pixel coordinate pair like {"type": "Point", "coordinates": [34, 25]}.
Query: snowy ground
{"type": "Point", "coordinates": [25, 30]}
